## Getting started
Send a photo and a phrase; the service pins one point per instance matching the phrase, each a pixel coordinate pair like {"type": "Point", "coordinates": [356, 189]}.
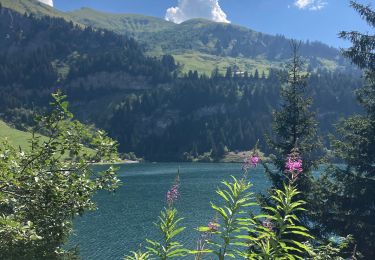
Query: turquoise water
{"type": "Point", "coordinates": [124, 219]}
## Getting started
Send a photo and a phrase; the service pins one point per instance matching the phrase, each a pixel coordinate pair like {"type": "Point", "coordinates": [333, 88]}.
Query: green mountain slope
{"type": "Point", "coordinates": [134, 24]}
{"type": "Point", "coordinates": [15, 137]}
{"type": "Point", "coordinates": [33, 7]}
{"type": "Point", "coordinates": [203, 45]}
{"type": "Point", "coordinates": [197, 44]}
{"type": "Point", "coordinates": [84, 62]}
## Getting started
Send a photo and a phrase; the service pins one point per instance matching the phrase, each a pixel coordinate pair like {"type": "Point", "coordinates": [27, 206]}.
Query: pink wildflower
{"type": "Point", "coordinates": [267, 224]}
{"type": "Point", "coordinates": [213, 226]}
{"type": "Point", "coordinates": [255, 160]}
{"type": "Point", "coordinates": [251, 161]}
{"type": "Point", "coordinates": [293, 164]}
{"type": "Point", "coordinates": [173, 194]}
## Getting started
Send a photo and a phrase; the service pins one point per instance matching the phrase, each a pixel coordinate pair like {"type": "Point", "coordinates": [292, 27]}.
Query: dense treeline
{"type": "Point", "coordinates": [201, 114]}
{"type": "Point", "coordinates": [39, 54]}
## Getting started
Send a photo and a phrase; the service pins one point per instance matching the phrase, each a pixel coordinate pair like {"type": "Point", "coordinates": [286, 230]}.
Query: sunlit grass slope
{"type": "Point", "coordinates": [15, 137]}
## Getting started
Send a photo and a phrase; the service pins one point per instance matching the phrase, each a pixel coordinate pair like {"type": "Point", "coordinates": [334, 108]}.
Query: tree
{"type": "Point", "coordinates": [44, 187]}
{"type": "Point", "coordinates": [294, 130]}
{"type": "Point", "coordinates": [348, 193]}
{"type": "Point", "coordinates": [294, 125]}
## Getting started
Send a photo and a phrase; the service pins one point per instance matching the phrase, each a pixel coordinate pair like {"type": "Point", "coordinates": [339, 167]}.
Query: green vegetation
{"type": "Point", "coordinates": [143, 102]}
{"type": "Point", "coordinates": [222, 44]}
{"type": "Point", "coordinates": [206, 63]}
{"type": "Point", "coordinates": [166, 111]}
{"type": "Point", "coordinates": [345, 199]}
{"type": "Point", "coordinates": [197, 117]}
{"type": "Point", "coordinates": [33, 7]}
{"type": "Point", "coordinates": [294, 131]}
{"type": "Point", "coordinates": [342, 201]}
{"type": "Point", "coordinates": [133, 24]}
{"type": "Point", "coordinates": [42, 191]}
{"type": "Point", "coordinates": [15, 137]}
{"type": "Point", "coordinates": [225, 43]}
{"type": "Point", "coordinates": [236, 231]}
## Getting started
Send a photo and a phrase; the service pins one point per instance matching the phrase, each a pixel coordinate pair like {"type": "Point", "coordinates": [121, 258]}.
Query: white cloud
{"type": "Point", "coordinates": [313, 5]}
{"type": "Point", "coordinates": [189, 9]}
{"type": "Point", "coordinates": [47, 2]}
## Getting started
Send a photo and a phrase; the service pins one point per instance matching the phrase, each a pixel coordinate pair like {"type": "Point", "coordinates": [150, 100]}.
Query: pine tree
{"type": "Point", "coordinates": [294, 127]}
{"type": "Point", "coordinates": [347, 194]}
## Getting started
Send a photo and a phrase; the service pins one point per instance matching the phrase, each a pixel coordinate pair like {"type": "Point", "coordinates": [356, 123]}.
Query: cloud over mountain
{"type": "Point", "coordinates": [47, 2]}
{"type": "Point", "coordinates": [188, 9]}
{"type": "Point", "coordinates": [313, 5]}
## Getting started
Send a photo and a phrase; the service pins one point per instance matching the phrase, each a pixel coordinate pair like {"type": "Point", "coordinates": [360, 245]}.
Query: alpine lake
{"type": "Point", "coordinates": [125, 218]}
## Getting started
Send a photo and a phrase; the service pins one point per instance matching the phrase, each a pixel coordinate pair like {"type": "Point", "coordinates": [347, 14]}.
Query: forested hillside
{"type": "Point", "coordinates": [212, 44]}
{"type": "Point", "coordinates": [38, 55]}
{"type": "Point", "coordinates": [198, 44]}
{"type": "Point", "coordinates": [144, 102]}
{"type": "Point", "coordinates": [201, 114]}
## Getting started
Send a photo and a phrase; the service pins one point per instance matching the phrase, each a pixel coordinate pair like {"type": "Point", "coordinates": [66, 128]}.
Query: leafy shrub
{"type": "Point", "coordinates": [44, 188]}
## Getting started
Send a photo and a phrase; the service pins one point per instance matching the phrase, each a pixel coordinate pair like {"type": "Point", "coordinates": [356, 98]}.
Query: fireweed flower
{"type": "Point", "coordinates": [251, 161]}
{"type": "Point", "coordinates": [173, 194]}
{"type": "Point", "coordinates": [213, 226]}
{"type": "Point", "coordinates": [255, 160]}
{"type": "Point", "coordinates": [267, 224]}
{"type": "Point", "coordinates": [293, 164]}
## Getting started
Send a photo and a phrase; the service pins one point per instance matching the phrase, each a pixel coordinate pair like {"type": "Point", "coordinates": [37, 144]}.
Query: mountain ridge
{"type": "Point", "coordinates": [213, 44]}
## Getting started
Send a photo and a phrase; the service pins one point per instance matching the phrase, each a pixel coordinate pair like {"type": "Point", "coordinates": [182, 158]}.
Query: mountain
{"type": "Point", "coordinates": [143, 101]}
{"type": "Point", "coordinates": [33, 7]}
{"type": "Point", "coordinates": [133, 24]}
{"type": "Point", "coordinates": [37, 55]}
{"type": "Point", "coordinates": [197, 44]}
{"type": "Point", "coordinates": [212, 44]}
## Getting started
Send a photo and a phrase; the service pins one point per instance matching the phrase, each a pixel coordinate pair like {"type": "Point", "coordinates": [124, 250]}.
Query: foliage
{"type": "Point", "coordinates": [15, 137]}
{"type": "Point", "coordinates": [166, 247]}
{"type": "Point", "coordinates": [280, 235]}
{"type": "Point", "coordinates": [169, 228]}
{"type": "Point", "coordinates": [294, 124]}
{"type": "Point", "coordinates": [138, 256]}
{"type": "Point", "coordinates": [347, 193]}
{"type": "Point", "coordinates": [43, 188]}
{"type": "Point", "coordinates": [32, 59]}
{"type": "Point", "coordinates": [236, 232]}
{"type": "Point", "coordinates": [336, 251]}
{"type": "Point", "coordinates": [237, 198]}
{"type": "Point", "coordinates": [268, 236]}
{"type": "Point", "coordinates": [218, 112]}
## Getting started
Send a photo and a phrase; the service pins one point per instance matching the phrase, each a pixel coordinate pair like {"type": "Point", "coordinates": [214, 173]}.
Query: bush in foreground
{"type": "Point", "coordinates": [44, 188]}
{"type": "Point", "coordinates": [236, 231]}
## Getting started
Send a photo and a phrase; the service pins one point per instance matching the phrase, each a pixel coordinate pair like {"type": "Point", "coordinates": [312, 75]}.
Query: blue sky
{"type": "Point", "coordinates": [300, 19]}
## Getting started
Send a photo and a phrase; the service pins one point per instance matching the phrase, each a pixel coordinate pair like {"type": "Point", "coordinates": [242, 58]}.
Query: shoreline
{"type": "Point", "coordinates": [116, 163]}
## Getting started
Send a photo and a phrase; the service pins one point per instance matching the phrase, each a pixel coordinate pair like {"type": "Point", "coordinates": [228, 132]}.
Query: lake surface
{"type": "Point", "coordinates": [125, 219]}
